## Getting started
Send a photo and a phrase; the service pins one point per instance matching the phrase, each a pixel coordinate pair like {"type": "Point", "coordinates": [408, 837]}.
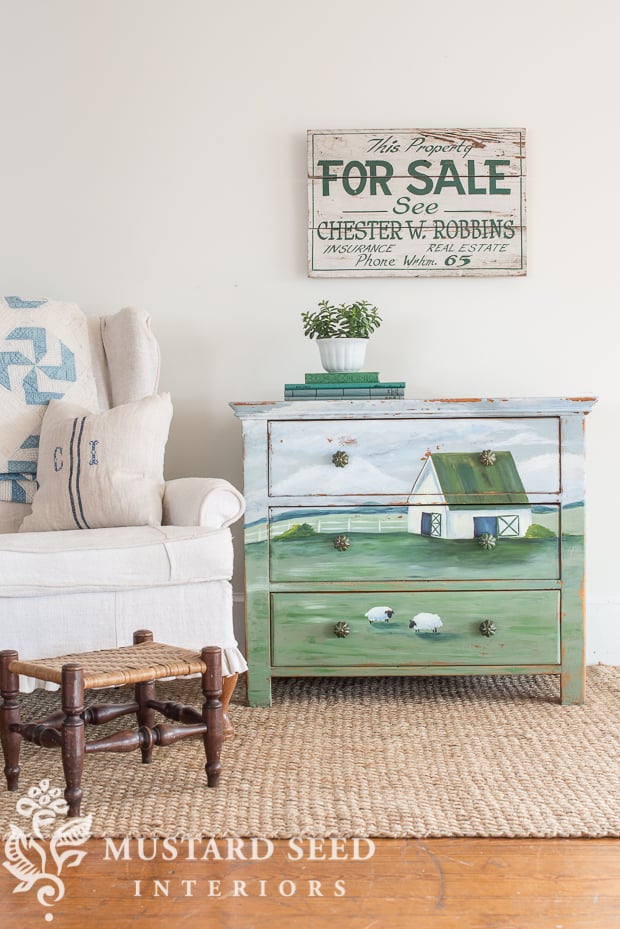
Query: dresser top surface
{"type": "Point", "coordinates": [396, 409]}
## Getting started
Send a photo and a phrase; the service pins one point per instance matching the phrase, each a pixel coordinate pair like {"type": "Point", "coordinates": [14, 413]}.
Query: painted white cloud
{"type": "Point", "coordinates": [359, 477]}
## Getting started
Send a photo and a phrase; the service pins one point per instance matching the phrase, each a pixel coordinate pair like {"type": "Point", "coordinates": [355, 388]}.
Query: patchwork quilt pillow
{"type": "Point", "coordinates": [44, 355]}
{"type": "Point", "coordinates": [101, 470]}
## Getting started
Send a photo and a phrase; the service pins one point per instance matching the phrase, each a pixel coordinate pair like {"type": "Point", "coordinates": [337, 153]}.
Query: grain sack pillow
{"type": "Point", "coordinates": [100, 470]}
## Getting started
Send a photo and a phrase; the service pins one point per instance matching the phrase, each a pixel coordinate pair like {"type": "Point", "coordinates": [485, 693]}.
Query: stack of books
{"type": "Point", "coordinates": [352, 385]}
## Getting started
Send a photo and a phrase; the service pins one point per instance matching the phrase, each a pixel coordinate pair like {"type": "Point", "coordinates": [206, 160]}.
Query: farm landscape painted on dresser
{"type": "Point", "coordinates": [434, 512]}
{"type": "Point", "coordinates": [412, 507]}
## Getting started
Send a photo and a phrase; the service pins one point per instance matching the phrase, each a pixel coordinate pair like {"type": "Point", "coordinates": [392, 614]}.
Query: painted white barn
{"type": "Point", "coordinates": [467, 499]}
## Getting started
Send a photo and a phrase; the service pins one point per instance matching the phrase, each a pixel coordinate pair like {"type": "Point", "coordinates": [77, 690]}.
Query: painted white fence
{"type": "Point", "coordinates": [332, 522]}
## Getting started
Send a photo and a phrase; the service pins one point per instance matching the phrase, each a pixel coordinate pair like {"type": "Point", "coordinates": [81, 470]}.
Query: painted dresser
{"type": "Point", "coordinates": [414, 537]}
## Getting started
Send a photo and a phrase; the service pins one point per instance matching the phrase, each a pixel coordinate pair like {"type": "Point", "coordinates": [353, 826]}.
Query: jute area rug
{"type": "Point", "coordinates": [394, 757]}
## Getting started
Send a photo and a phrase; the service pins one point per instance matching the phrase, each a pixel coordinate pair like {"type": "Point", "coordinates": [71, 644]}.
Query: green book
{"type": "Point", "coordinates": [342, 377]}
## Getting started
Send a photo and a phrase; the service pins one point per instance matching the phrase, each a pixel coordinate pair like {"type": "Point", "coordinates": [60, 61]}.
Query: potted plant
{"type": "Point", "coordinates": [342, 333]}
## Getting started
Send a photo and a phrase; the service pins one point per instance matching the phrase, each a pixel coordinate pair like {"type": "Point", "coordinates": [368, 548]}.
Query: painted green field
{"type": "Point", "coordinates": [404, 556]}
{"type": "Point", "coordinates": [527, 628]}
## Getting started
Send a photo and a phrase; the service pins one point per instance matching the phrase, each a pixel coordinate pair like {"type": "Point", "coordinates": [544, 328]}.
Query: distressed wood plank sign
{"type": "Point", "coordinates": [416, 202]}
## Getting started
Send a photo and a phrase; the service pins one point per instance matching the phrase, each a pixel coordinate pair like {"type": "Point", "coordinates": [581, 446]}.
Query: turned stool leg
{"type": "Point", "coordinates": [73, 735]}
{"type": "Point", "coordinates": [212, 712]}
{"type": "Point", "coordinates": [145, 691]}
{"type": "Point", "coordinates": [9, 714]}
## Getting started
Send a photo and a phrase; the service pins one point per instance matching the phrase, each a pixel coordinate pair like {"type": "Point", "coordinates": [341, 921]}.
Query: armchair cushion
{"type": "Point", "coordinates": [130, 558]}
{"type": "Point", "coordinates": [99, 470]}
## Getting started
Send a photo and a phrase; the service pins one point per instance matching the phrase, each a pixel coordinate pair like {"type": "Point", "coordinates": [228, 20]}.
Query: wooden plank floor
{"type": "Point", "coordinates": [417, 884]}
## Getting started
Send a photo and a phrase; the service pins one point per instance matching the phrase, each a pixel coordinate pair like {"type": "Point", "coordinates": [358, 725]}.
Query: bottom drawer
{"type": "Point", "coordinates": [415, 628]}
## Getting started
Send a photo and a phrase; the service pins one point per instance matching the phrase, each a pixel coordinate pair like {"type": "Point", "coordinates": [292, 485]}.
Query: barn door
{"type": "Point", "coordinates": [485, 524]}
{"type": "Point", "coordinates": [431, 524]}
{"type": "Point", "coordinates": [508, 526]}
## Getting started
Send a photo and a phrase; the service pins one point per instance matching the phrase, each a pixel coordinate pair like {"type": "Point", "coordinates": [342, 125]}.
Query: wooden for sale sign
{"type": "Point", "coordinates": [416, 202]}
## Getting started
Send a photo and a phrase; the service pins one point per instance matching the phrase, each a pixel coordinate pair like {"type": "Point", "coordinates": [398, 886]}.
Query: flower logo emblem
{"type": "Point", "coordinates": [29, 858]}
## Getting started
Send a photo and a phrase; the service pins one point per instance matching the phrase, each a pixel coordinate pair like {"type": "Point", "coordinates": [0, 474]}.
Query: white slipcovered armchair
{"type": "Point", "coordinates": [85, 589]}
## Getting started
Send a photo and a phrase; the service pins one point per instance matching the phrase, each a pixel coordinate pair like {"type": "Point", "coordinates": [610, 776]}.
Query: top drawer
{"type": "Point", "coordinates": [430, 458]}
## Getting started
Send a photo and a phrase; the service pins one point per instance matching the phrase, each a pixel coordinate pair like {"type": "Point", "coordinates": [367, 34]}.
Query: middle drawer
{"type": "Point", "coordinates": [417, 542]}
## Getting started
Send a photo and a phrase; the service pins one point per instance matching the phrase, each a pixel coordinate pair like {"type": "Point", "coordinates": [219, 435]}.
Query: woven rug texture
{"type": "Point", "coordinates": [393, 757]}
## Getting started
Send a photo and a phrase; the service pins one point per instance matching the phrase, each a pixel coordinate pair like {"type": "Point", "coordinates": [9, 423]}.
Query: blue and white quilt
{"type": "Point", "coordinates": [44, 355]}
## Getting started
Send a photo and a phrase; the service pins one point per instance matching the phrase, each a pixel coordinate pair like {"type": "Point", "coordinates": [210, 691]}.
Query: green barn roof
{"type": "Point", "coordinates": [462, 474]}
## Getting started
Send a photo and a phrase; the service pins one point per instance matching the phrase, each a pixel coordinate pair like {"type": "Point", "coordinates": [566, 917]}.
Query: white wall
{"type": "Point", "coordinates": [153, 153]}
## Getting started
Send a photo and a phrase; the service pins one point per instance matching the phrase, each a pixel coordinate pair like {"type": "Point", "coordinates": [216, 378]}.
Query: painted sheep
{"type": "Point", "coordinates": [379, 614]}
{"type": "Point", "coordinates": [426, 622]}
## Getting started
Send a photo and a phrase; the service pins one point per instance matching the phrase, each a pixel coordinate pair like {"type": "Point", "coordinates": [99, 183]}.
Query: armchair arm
{"type": "Point", "coordinates": [201, 501]}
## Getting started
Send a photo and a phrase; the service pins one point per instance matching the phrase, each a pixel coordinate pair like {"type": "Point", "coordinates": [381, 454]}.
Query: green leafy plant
{"type": "Point", "coordinates": [298, 531]}
{"type": "Point", "coordinates": [536, 531]}
{"type": "Point", "coordinates": [346, 321]}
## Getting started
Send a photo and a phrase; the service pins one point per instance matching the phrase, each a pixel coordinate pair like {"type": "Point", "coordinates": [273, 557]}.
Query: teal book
{"type": "Point", "coordinates": [344, 392]}
{"type": "Point", "coordinates": [342, 377]}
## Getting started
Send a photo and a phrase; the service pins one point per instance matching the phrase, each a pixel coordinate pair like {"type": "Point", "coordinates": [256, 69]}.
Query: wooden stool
{"type": "Point", "coordinates": [140, 664]}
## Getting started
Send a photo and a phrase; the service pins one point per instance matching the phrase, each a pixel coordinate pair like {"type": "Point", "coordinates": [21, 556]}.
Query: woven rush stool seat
{"type": "Point", "coordinates": [140, 664]}
{"type": "Point", "coordinates": [113, 667]}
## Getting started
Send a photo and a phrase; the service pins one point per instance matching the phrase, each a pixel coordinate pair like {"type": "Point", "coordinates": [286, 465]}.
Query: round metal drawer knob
{"type": "Point", "coordinates": [487, 541]}
{"type": "Point", "coordinates": [340, 459]}
{"type": "Point", "coordinates": [488, 627]}
{"type": "Point", "coordinates": [342, 630]}
{"type": "Point", "coordinates": [487, 458]}
{"type": "Point", "coordinates": [341, 543]}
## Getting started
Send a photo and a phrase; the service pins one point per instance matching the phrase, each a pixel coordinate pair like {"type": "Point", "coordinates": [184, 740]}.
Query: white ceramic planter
{"type": "Point", "coordinates": [342, 354]}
